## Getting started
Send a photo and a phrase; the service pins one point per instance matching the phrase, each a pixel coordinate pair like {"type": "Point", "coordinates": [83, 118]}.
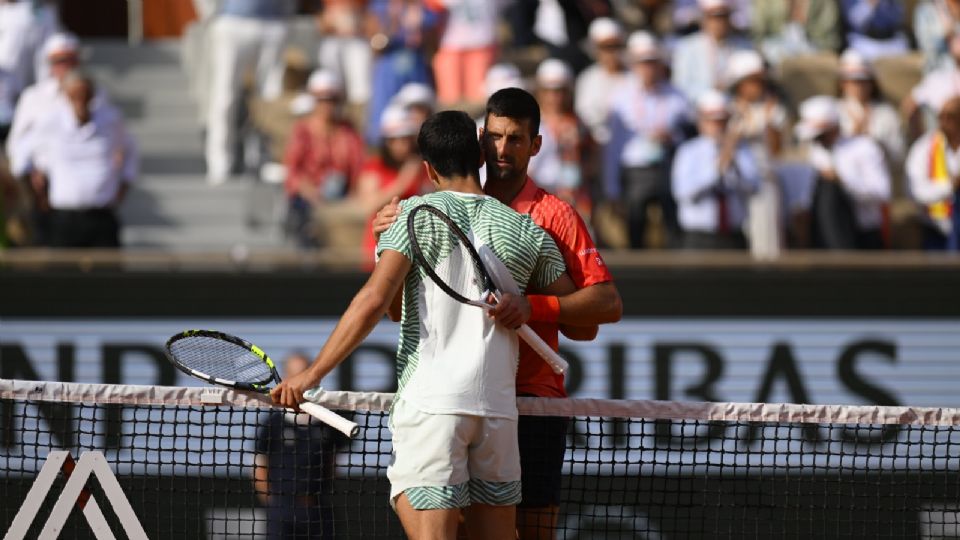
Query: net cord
{"type": "Point", "coordinates": [126, 394]}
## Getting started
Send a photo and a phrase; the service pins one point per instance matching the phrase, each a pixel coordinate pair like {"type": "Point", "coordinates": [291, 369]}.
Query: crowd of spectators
{"type": "Point", "coordinates": [665, 123]}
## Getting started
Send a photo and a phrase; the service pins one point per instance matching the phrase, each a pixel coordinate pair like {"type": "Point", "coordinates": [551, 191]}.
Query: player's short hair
{"type": "Point", "coordinates": [448, 142]}
{"type": "Point", "coordinates": [516, 104]}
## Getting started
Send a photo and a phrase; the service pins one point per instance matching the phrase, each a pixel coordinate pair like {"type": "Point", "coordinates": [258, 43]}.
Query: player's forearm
{"type": "Point", "coordinates": [590, 306]}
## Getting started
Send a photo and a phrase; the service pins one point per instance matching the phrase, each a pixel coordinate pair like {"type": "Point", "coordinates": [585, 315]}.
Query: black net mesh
{"type": "Point", "coordinates": [226, 471]}
{"type": "Point", "coordinates": [220, 359]}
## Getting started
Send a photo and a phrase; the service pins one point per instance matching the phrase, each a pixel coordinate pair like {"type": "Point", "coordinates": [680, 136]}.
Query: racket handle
{"type": "Point", "coordinates": [558, 364]}
{"type": "Point", "coordinates": [332, 419]}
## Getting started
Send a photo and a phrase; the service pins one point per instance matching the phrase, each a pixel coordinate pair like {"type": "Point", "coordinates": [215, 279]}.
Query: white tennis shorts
{"type": "Point", "coordinates": [443, 461]}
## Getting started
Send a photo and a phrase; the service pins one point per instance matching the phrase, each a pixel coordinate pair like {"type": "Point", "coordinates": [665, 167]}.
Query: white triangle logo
{"type": "Point", "coordinates": [75, 493]}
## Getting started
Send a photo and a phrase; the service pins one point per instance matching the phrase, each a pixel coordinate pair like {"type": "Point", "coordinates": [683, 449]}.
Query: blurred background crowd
{"type": "Point", "coordinates": [760, 125]}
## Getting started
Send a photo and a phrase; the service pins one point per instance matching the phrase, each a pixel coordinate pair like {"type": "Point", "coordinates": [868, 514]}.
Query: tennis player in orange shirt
{"type": "Point", "coordinates": [509, 139]}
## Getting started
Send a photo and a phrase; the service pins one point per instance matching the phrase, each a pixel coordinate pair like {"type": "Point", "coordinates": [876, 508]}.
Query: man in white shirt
{"type": "Point", "coordinates": [714, 175]}
{"type": "Point", "coordinates": [62, 54]}
{"type": "Point", "coordinates": [83, 160]}
{"type": "Point", "coordinates": [646, 121]}
{"type": "Point", "coordinates": [933, 169]}
{"type": "Point", "coordinates": [853, 184]}
{"type": "Point", "coordinates": [700, 59]}
{"type": "Point", "coordinates": [596, 83]}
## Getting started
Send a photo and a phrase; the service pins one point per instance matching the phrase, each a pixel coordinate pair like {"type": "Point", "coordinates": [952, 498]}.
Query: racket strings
{"type": "Point", "coordinates": [221, 359]}
{"type": "Point", "coordinates": [447, 255]}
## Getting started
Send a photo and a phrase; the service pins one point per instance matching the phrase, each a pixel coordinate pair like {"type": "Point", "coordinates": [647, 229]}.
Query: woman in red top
{"type": "Point", "coordinates": [396, 172]}
{"type": "Point", "coordinates": [323, 158]}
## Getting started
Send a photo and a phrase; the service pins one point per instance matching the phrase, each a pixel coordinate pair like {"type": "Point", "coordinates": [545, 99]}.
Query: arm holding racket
{"type": "Point", "coordinates": [363, 314]}
{"type": "Point", "coordinates": [505, 283]}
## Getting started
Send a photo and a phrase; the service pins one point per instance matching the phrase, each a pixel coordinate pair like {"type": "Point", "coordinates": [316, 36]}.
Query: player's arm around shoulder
{"type": "Point", "coordinates": [551, 284]}
{"type": "Point", "coordinates": [596, 299]}
{"type": "Point", "coordinates": [365, 311]}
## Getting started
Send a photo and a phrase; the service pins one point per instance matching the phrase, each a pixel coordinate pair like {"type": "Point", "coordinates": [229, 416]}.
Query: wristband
{"type": "Point", "coordinates": [544, 308]}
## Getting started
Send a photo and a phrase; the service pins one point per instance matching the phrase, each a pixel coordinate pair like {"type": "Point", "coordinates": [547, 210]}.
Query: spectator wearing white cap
{"type": "Point", "coordinates": [343, 48]}
{"type": "Point", "coordinates": [244, 35]}
{"type": "Point", "coordinates": [863, 110]}
{"type": "Point", "coordinates": [788, 28]}
{"type": "Point", "coordinates": [700, 59]}
{"type": "Point", "coordinates": [418, 99]}
{"type": "Point", "coordinates": [646, 122]}
{"type": "Point", "coordinates": [468, 47]}
{"type": "Point", "coordinates": [82, 160]}
{"type": "Point", "coordinates": [713, 177]}
{"type": "Point", "coordinates": [575, 147]}
{"type": "Point", "coordinates": [63, 54]}
{"type": "Point", "coordinates": [853, 182]}
{"type": "Point", "coordinates": [323, 157]}
{"type": "Point", "coordinates": [36, 101]}
{"type": "Point", "coordinates": [759, 119]}
{"type": "Point", "coordinates": [935, 89]}
{"type": "Point", "coordinates": [395, 172]}
{"type": "Point", "coordinates": [933, 171]}
{"type": "Point", "coordinates": [595, 84]}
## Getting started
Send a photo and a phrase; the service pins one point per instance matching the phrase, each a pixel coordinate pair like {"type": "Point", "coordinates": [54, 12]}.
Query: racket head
{"type": "Point", "coordinates": [222, 359]}
{"type": "Point", "coordinates": [447, 256]}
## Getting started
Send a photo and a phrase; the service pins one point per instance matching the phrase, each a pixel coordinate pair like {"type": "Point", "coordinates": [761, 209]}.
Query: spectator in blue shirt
{"type": "Point", "coordinates": [875, 27]}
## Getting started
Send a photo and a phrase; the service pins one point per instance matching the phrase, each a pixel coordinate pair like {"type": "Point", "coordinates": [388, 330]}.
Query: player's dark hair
{"type": "Point", "coordinates": [448, 142]}
{"type": "Point", "coordinates": [516, 104]}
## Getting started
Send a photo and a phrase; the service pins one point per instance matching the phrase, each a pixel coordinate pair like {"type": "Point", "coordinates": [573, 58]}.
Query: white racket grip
{"type": "Point", "coordinates": [332, 419]}
{"type": "Point", "coordinates": [558, 364]}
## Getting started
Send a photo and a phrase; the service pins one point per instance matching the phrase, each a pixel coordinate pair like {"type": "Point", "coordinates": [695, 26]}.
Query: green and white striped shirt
{"type": "Point", "coordinates": [452, 359]}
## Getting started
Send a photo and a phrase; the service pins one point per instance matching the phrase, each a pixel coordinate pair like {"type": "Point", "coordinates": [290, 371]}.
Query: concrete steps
{"type": "Point", "coordinates": [172, 207]}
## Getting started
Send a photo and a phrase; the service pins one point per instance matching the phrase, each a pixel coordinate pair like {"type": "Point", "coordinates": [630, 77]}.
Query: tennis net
{"type": "Point", "coordinates": [170, 462]}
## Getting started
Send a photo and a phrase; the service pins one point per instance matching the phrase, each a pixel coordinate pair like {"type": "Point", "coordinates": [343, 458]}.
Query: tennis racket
{"type": "Point", "coordinates": [450, 260]}
{"type": "Point", "coordinates": [226, 360]}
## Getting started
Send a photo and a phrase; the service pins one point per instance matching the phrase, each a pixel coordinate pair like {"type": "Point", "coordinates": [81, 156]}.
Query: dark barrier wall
{"type": "Point", "coordinates": [824, 288]}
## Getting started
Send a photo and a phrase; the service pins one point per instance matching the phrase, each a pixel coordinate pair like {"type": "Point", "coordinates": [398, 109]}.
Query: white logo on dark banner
{"type": "Point", "coordinates": [75, 493]}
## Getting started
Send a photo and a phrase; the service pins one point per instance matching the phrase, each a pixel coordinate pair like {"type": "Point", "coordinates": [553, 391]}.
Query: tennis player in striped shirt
{"type": "Point", "coordinates": [454, 420]}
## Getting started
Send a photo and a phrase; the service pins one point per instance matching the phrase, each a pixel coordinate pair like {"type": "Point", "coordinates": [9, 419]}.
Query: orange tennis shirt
{"type": "Point", "coordinates": [584, 265]}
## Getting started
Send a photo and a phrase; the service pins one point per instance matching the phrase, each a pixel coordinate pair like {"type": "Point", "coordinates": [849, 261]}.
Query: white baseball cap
{"type": "Point", "coordinates": [501, 76]}
{"type": "Point", "coordinates": [743, 64]}
{"type": "Point", "coordinates": [817, 114]}
{"type": "Point", "coordinates": [325, 83]}
{"type": "Point", "coordinates": [302, 104]}
{"type": "Point", "coordinates": [396, 121]}
{"type": "Point", "coordinates": [604, 29]}
{"type": "Point", "coordinates": [642, 46]}
{"type": "Point", "coordinates": [707, 6]}
{"type": "Point", "coordinates": [553, 74]}
{"type": "Point", "coordinates": [713, 105]}
{"type": "Point", "coordinates": [412, 94]}
{"type": "Point", "coordinates": [61, 43]}
{"type": "Point", "coordinates": [854, 66]}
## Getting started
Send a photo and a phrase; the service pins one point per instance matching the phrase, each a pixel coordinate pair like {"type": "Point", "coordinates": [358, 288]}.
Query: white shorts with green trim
{"type": "Point", "coordinates": [443, 461]}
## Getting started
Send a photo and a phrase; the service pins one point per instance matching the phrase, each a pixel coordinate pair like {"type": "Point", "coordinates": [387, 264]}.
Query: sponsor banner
{"type": "Point", "coordinates": [843, 362]}
{"type": "Point", "coordinates": [839, 362]}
